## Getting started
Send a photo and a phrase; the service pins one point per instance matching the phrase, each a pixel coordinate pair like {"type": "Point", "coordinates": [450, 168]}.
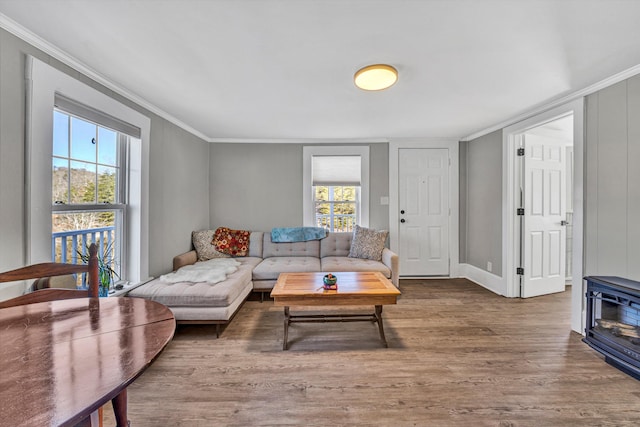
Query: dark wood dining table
{"type": "Point", "coordinates": [62, 360]}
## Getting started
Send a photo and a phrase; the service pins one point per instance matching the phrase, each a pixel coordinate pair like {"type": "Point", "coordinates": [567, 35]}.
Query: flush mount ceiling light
{"type": "Point", "coordinates": [376, 77]}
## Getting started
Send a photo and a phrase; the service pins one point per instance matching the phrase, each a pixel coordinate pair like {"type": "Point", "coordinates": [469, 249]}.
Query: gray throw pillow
{"type": "Point", "coordinates": [367, 243]}
{"type": "Point", "coordinates": [203, 244]}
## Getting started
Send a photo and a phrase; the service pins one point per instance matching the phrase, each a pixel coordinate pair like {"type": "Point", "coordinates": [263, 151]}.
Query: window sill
{"type": "Point", "coordinates": [127, 288]}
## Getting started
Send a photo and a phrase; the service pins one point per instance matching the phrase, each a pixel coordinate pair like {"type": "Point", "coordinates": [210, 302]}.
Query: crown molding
{"type": "Point", "coordinates": [616, 78]}
{"type": "Point", "coordinates": [298, 140]}
{"type": "Point", "coordinates": [33, 39]}
{"type": "Point", "coordinates": [428, 140]}
{"type": "Point", "coordinates": [406, 140]}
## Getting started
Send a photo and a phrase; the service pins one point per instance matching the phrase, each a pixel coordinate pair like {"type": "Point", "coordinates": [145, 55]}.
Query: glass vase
{"type": "Point", "coordinates": [105, 279]}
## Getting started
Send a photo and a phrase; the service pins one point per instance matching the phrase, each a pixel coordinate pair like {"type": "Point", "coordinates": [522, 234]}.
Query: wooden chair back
{"type": "Point", "coordinates": [51, 269]}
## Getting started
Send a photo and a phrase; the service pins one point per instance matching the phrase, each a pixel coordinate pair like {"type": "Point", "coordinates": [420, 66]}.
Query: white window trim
{"type": "Point", "coordinates": [308, 217]}
{"type": "Point", "coordinates": [43, 81]}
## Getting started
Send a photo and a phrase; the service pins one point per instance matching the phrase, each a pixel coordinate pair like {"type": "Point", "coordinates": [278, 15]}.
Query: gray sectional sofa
{"type": "Point", "coordinates": [258, 271]}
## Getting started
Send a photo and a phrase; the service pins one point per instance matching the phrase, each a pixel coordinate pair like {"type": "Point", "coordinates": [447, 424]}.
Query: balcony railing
{"type": "Point", "coordinates": [66, 244]}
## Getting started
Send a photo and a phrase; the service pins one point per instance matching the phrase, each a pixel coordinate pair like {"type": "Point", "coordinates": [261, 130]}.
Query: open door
{"type": "Point", "coordinates": [543, 225]}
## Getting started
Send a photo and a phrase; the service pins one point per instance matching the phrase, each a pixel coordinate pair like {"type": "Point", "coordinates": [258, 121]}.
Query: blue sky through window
{"type": "Point", "coordinates": [87, 140]}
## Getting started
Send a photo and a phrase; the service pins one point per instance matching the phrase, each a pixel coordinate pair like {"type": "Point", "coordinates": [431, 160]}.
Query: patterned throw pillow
{"type": "Point", "coordinates": [367, 243]}
{"type": "Point", "coordinates": [231, 242]}
{"type": "Point", "coordinates": [202, 242]}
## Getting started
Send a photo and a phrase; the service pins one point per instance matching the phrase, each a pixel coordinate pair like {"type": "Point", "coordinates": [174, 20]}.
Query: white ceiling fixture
{"type": "Point", "coordinates": [376, 77]}
{"type": "Point", "coordinates": [279, 70]}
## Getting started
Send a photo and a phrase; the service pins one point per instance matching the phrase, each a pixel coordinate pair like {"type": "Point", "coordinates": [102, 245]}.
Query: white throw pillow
{"type": "Point", "coordinates": [367, 243]}
{"type": "Point", "coordinates": [203, 244]}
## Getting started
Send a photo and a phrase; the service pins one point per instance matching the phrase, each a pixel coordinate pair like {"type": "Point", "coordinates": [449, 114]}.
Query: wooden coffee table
{"type": "Point", "coordinates": [354, 289]}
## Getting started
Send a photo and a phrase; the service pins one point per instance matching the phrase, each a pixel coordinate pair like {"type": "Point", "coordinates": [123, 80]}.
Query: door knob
{"type": "Point", "coordinates": [402, 220]}
{"type": "Point", "coordinates": [402, 212]}
{"type": "Point", "coordinates": [563, 222]}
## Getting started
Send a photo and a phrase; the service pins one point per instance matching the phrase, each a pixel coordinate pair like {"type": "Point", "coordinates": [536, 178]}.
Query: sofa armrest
{"type": "Point", "coordinates": [390, 259]}
{"type": "Point", "coordinates": [186, 258]}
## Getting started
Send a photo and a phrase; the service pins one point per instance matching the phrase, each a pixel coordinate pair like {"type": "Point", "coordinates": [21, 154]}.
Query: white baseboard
{"type": "Point", "coordinates": [490, 281]}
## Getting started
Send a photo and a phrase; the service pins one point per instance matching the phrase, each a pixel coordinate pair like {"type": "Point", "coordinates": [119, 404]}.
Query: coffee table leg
{"type": "Point", "coordinates": [380, 327]}
{"type": "Point", "coordinates": [287, 319]}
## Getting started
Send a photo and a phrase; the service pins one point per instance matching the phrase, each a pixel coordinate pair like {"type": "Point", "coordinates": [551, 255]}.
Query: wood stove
{"type": "Point", "coordinates": [613, 321]}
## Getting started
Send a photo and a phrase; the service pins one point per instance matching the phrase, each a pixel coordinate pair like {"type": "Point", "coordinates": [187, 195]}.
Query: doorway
{"type": "Point", "coordinates": [440, 245]}
{"type": "Point", "coordinates": [513, 137]}
{"type": "Point", "coordinates": [424, 211]}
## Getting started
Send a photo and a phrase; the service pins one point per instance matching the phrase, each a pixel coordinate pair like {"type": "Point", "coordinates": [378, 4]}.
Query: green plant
{"type": "Point", "coordinates": [105, 266]}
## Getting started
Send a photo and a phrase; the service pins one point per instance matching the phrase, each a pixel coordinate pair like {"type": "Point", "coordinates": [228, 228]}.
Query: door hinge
{"type": "Point", "coordinates": [520, 211]}
{"type": "Point", "coordinates": [520, 151]}
{"type": "Point", "coordinates": [520, 271]}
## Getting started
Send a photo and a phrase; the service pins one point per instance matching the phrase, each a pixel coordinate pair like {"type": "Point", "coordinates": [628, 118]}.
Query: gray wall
{"type": "Point", "coordinates": [259, 186]}
{"type": "Point", "coordinates": [178, 176]}
{"type": "Point", "coordinates": [178, 192]}
{"type": "Point", "coordinates": [462, 201]}
{"type": "Point", "coordinates": [481, 202]}
{"type": "Point", "coordinates": [612, 181]}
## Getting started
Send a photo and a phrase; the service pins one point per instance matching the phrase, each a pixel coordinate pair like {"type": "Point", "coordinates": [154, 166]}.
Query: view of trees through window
{"type": "Point", "coordinates": [85, 181]}
{"type": "Point", "coordinates": [335, 207]}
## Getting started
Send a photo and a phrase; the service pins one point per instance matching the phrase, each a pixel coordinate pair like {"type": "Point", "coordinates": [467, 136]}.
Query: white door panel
{"type": "Point", "coordinates": [434, 195]}
{"type": "Point", "coordinates": [424, 207]}
{"type": "Point", "coordinates": [413, 247]}
{"type": "Point", "coordinates": [554, 255]}
{"type": "Point", "coordinates": [435, 243]}
{"type": "Point", "coordinates": [545, 207]}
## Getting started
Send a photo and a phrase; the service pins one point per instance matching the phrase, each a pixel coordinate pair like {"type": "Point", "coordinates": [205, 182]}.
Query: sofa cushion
{"type": "Point", "coordinates": [270, 268]}
{"type": "Point", "coordinates": [201, 294]}
{"type": "Point", "coordinates": [249, 260]}
{"type": "Point", "coordinates": [270, 249]}
{"type": "Point", "coordinates": [203, 243]}
{"type": "Point", "coordinates": [336, 244]}
{"type": "Point", "coordinates": [232, 242]}
{"type": "Point", "coordinates": [255, 244]}
{"type": "Point", "coordinates": [367, 243]}
{"type": "Point", "coordinates": [334, 264]}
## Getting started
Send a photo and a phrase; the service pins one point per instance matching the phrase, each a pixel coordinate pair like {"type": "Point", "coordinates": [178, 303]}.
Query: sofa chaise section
{"type": "Point", "coordinates": [203, 302]}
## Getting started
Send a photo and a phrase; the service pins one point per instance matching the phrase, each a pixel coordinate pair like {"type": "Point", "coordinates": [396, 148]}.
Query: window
{"type": "Point", "coordinates": [88, 189]}
{"type": "Point", "coordinates": [336, 187]}
{"type": "Point", "coordinates": [336, 207]}
{"type": "Point", "coordinates": [87, 169]}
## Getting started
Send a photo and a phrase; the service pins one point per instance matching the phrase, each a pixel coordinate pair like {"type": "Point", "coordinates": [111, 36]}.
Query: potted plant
{"type": "Point", "coordinates": [105, 271]}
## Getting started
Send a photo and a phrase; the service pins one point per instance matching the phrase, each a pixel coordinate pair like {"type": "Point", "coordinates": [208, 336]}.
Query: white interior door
{"type": "Point", "coordinates": [543, 229]}
{"type": "Point", "coordinates": [424, 211]}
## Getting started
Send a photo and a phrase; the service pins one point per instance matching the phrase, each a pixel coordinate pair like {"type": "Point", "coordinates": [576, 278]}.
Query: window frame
{"type": "Point", "coordinates": [308, 196]}
{"type": "Point", "coordinates": [43, 84]}
{"type": "Point", "coordinates": [332, 203]}
{"type": "Point", "coordinates": [122, 178]}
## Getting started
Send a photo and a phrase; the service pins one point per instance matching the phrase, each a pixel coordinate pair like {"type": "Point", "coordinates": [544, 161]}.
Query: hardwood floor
{"type": "Point", "coordinates": [458, 355]}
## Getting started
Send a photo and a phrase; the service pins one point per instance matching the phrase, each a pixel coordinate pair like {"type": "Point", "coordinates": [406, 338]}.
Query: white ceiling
{"type": "Point", "coordinates": [283, 69]}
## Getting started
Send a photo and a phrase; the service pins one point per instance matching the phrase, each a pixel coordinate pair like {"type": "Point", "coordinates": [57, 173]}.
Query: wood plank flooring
{"type": "Point", "coordinates": [458, 355]}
